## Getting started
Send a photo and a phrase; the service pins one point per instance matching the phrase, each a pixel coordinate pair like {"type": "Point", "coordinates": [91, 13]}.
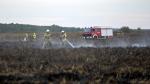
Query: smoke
{"type": "Point", "coordinates": [139, 40]}
{"type": "Point", "coordinates": [84, 45]}
{"type": "Point", "coordinates": [115, 42]}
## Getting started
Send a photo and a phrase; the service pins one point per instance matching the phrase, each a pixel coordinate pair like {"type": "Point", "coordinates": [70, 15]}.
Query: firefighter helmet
{"type": "Point", "coordinates": [62, 31]}
{"type": "Point", "coordinates": [47, 30]}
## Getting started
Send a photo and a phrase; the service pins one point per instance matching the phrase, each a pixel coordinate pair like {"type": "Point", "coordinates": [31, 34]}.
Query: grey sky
{"type": "Point", "coordinates": [79, 13]}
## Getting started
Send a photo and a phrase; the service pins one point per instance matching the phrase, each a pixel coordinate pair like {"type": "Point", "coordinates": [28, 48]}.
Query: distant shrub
{"type": "Point", "coordinates": [125, 29]}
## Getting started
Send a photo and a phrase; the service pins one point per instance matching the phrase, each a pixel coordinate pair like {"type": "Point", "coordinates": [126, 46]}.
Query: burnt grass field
{"type": "Point", "coordinates": [23, 63]}
{"type": "Point", "coordinates": [20, 64]}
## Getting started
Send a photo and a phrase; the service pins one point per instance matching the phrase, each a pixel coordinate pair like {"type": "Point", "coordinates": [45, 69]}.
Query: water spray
{"type": "Point", "coordinates": [70, 43]}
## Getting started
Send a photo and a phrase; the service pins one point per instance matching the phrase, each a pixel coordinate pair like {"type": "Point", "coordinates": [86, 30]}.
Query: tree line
{"type": "Point", "coordinates": [34, 28]}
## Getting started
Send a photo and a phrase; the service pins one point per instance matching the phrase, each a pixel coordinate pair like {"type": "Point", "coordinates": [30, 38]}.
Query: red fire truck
{"type": "Point", "coordinates": [97, 32]}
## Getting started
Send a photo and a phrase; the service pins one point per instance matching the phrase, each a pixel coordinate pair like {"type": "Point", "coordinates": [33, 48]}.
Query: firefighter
{"type": "Point", "coordinates": [63, 38]}
{"type": "Point", "coordinates": [26, 38]}
{"type": "Point", "coordinates": [34, 36]}
{"type": "Point", "coordinates": [63, 35]}
{"type": "Point", "coordinates": [47, 37]}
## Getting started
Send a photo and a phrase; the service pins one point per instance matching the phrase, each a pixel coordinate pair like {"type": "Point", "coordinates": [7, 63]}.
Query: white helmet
{"type": "Point", "coordinates": [47, 30]}
{"type": "Point", "coordinates": [62, 31]}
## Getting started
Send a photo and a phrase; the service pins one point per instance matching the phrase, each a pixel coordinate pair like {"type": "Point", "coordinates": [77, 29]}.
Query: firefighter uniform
{"type": "Point", "coordinates": [34, 36]}
{"type": "Point", "coordinates": [63, 36]}
{"type": "Point", "coordinates": [47, 37]}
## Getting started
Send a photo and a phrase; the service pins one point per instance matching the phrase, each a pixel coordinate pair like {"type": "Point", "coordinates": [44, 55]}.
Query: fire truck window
{"type": "Point", "coordinates": [87, 30]}
{"type": "Point", "coordinates": [93, 30]}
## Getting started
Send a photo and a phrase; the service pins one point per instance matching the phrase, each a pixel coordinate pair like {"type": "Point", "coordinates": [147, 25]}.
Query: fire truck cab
{"type": "Point", "coordinates": [97, 32]}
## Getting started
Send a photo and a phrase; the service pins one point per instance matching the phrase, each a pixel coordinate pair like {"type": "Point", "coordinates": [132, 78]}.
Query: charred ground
{"type": "Point", "coordinates": [82, 65]}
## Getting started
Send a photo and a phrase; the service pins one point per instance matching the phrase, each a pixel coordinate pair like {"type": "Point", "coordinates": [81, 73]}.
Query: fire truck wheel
{"type": "Point", "coordinates": [85, 37]}
{"type": "Point", "coordinates": [95, 37]}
